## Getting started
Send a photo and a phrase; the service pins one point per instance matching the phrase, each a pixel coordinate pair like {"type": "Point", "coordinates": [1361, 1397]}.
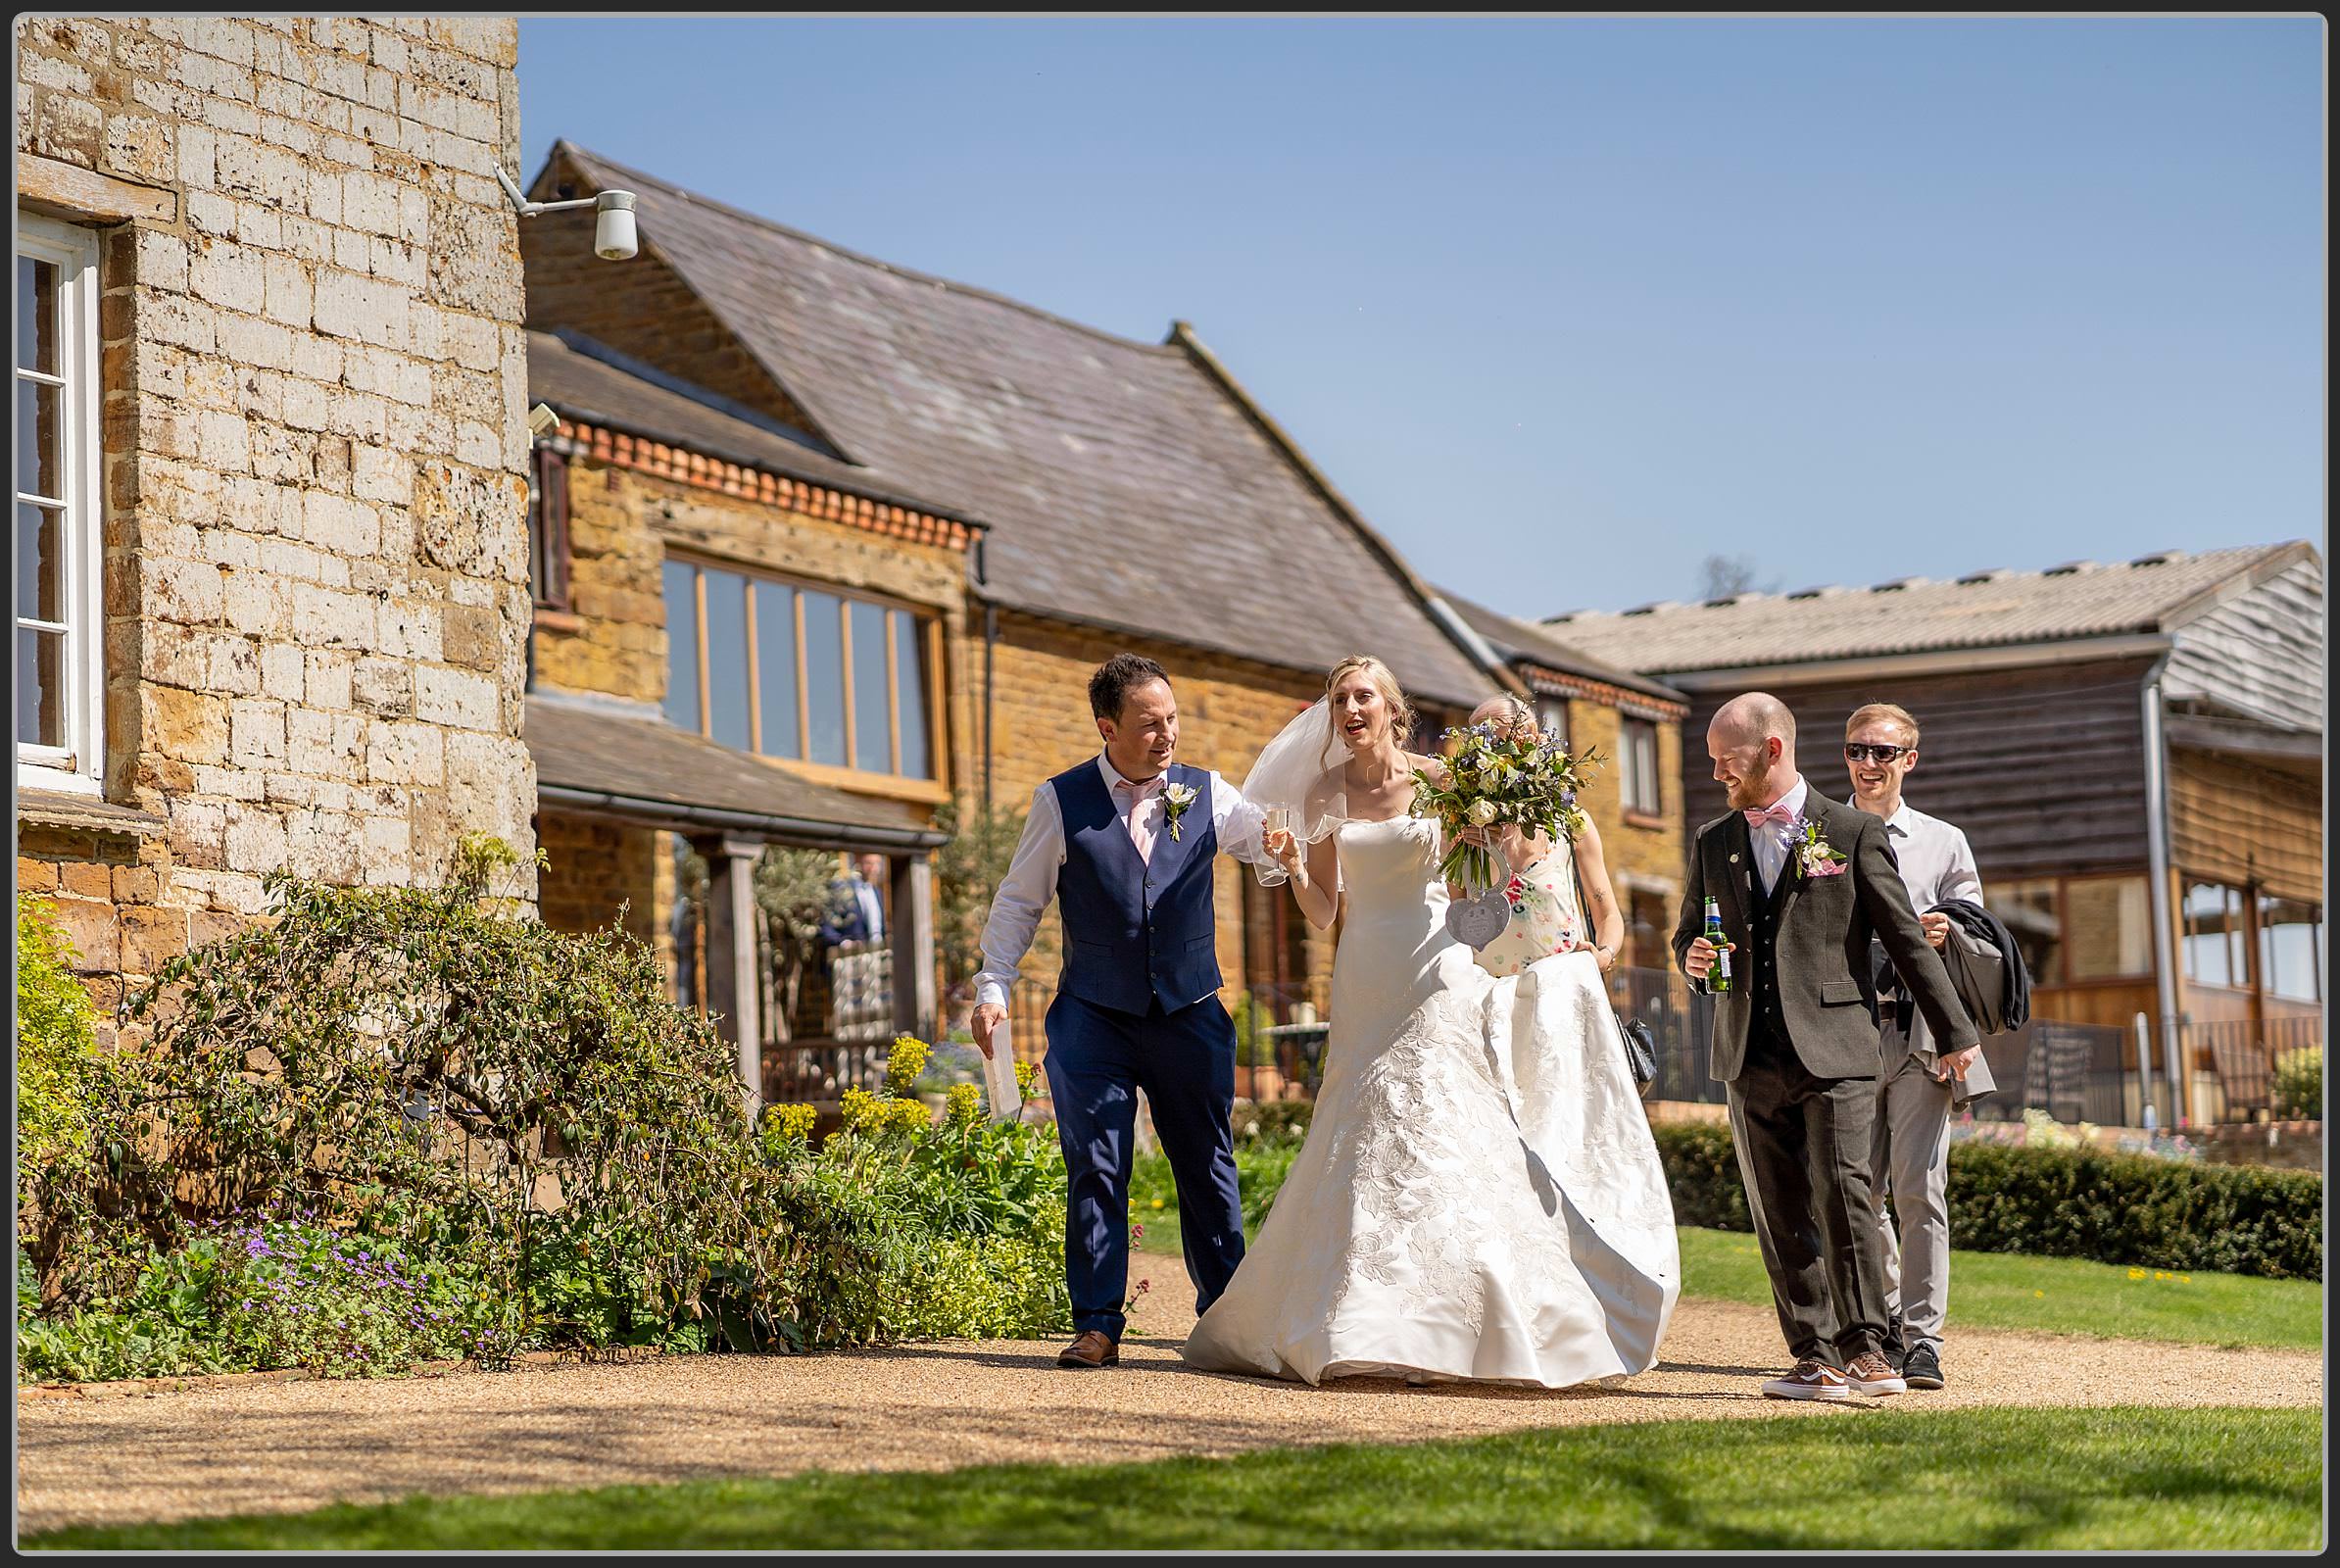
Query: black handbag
{"type": "Point", "coordinates": [1641, 1046]}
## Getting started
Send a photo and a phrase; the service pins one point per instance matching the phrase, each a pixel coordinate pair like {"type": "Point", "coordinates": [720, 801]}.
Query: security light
{"type": "Point", "coordinates": [613, 238]}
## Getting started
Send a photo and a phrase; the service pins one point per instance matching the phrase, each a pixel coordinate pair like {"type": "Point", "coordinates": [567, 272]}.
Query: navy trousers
{"type": "Point", "coordinates": [1098, 1059]}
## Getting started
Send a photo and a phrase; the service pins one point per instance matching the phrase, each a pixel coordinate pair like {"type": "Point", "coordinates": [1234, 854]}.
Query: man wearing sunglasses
{"type": "Point", "coordinates": [1916, 1087]}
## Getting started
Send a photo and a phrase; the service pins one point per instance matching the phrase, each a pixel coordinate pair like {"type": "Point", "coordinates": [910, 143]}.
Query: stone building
{"type": "Point", "coordinates": [750, 411]}
{"type": "Point", "coordinates": [271, 601]}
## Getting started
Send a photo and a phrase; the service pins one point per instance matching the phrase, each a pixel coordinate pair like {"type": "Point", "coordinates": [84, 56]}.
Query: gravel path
{"type": "Point", "coordinates": [277, 1446]}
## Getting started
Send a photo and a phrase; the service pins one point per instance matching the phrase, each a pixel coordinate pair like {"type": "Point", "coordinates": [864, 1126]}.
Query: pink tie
{"type": "Point", "coordinates": [1141, 834]}
{"type": "Point", "coordinates": [1774, 813]}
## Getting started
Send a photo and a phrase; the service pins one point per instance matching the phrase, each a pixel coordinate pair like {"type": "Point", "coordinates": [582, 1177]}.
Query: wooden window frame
{"type": "Point", "coordinates": [929, 638]}
{"type": "Point", "coordinates": [548, 529]}
{"type": "Point", "coordinates": [1642, 797]}
{"type": "Point", "coordinates": [78, 766]}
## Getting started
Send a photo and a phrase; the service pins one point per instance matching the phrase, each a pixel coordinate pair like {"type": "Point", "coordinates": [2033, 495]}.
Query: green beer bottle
{"type": "Point", "coordinates": [1718, 978]}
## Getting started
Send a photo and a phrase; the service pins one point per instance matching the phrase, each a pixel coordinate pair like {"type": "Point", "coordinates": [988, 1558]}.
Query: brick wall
{"type": "Point", "coordinates": [1228, 710]}
{"type": "Point", "coordinates": [313, 394]}
{"type": "Point", "coordinates": [621, 524]}
{"type": "Point", "coordinates": [593, 867]}
{"type": "Point", "coordinates": [1641, 856]}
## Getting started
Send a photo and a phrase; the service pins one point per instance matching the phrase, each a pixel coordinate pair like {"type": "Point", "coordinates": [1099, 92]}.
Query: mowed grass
{"type": "Point", "coordinates": [2061, 1296]}
{"type": "Point", "coordinates": [1988, 1480]}
{"type": "Point", "coordinates": [2012, 1291]}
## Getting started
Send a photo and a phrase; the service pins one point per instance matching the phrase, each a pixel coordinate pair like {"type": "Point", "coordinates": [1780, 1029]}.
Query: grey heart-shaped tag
{"type": "Point", "coordinates": [1476, 923]}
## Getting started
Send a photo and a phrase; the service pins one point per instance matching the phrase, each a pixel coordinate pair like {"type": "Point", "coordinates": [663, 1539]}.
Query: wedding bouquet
{"type": "Point", "coordinates": [1496, 779]}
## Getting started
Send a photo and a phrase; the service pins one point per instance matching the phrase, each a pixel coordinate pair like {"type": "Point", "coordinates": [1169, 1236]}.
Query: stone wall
{"type": "Point", "coordinates": [314, 385]}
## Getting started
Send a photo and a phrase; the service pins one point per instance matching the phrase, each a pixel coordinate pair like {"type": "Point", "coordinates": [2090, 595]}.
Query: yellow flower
{"type": "Point", "coordinates": [2136, 1273]}
{"type": "Point", "coordinates": [964, 1103]}
{"type": "Point", "coordinates": [863, 1110]}
{"type": "Point", "coordinates": [795, 1122]}
{"type": "Point", "coordinates": [1027, 1079]}
{"type": "Point", "coordinates": [904, 1063]}
{"type": "Point", "coordinates": [1157, 1202]}
{"type": "Point", "coordinates": [2041, 1294]}
{"type": "Point", "coordinates": [908, 1115]}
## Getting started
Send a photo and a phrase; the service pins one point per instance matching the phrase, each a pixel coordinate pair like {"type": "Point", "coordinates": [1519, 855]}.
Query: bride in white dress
{"type": "Point", "coordinates": [1478, 1197]}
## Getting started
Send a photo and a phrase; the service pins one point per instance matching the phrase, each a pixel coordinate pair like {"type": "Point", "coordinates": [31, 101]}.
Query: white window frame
{"type": "Point", "coordinates": [78, 766]}
{"type": "Point", "coordinates": [1643, 790]}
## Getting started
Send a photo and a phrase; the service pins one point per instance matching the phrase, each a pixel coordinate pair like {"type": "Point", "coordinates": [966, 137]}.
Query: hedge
{"type": "Point", "coordinates": [2062, 1202]}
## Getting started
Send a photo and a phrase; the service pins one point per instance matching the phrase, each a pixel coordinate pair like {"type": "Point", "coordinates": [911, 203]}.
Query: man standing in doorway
{"type": "Point", "coordinates": [1917, 1085]}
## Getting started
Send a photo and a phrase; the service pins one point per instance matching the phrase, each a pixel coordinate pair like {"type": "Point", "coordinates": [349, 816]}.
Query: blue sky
{"type": "Point", "coordinates": [1566, 305]}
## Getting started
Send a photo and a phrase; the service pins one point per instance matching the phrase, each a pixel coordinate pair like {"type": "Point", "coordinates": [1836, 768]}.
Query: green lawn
{"type": "Point", "coordinates": [1982, 1479]}
{"type": "Point", "coordinates": [2010, 1291]}
{"type": "Point", "coordinates": [2061, 1296]}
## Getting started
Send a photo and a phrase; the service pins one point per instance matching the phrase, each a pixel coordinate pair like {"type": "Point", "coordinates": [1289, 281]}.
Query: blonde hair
{"type": "Point", "coordinates": [1401, 711]}
{"type": "Point", "coordinates": [1886, 714]}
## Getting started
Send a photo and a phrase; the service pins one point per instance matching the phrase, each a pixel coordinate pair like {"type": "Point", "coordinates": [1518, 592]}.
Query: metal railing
{"type": "Point", "coordinates": [2074, 1072]}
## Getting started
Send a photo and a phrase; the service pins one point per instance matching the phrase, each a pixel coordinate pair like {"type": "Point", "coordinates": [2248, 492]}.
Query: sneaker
{"type": "Point", "coordinates": [1874, 1374]}
{"type": "Point", "coordinates": [1922, 1368]}
{"type": "Point", "coordinates": [1811, 1380]}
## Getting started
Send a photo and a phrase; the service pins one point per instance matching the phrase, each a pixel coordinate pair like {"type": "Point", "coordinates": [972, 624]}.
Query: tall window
{"type": "Point", "coordinates": [800, 673]}
{"type": "Point", "coordinates": [2291, 957]}
{"type": "Point", "coordinates": [548, 529]}
{"type": "Point", "coordinates": [2216, 951]}
{"type": "Point", "coordinates": [1552, 716]}
{"type": "Point", "coordinates": [1637, 766]}
{"type": "Point", "coordinates": [60, 647]}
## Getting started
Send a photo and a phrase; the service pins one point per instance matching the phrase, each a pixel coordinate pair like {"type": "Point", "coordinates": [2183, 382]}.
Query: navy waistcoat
{"type": "Point", "coordinates": [1136, 931]}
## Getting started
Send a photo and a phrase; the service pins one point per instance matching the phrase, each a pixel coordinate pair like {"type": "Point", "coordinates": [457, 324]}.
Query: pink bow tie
{"type": "Point", "coordinates": [1773, 813]}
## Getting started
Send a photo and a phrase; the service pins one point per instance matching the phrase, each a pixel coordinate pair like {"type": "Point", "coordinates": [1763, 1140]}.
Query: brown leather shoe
{"type": "Point", "coordinates": [1091, 1349]}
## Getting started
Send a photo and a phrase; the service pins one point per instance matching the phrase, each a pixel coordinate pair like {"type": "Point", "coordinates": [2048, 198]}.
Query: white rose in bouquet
{"type": "Point", "coordinates": [1483, 812]}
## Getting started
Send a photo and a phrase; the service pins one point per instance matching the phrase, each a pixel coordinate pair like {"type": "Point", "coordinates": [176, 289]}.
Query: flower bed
{"type": "Point", "coordinates": [404, 1126]}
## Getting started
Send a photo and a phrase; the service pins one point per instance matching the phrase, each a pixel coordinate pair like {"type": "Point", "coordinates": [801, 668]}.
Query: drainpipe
{"type": "Point", "coordinates": [990, 641]}
{"type": "Point", "coordinates": [2157, 859]}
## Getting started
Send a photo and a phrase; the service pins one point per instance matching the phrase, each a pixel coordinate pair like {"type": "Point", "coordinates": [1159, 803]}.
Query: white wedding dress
{"type": "Point", "coordinates": [1479, 1196]}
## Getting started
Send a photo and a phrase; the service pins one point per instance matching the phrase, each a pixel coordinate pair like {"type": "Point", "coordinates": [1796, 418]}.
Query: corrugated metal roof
{"type": "Point", "coordinates": [1121, 483]}
{"type": "Point", "coordinates": [1978, 610]}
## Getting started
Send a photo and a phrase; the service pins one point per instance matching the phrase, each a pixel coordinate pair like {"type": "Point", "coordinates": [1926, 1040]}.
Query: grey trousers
{"type": "Point", "coordinates": [1911, 1156]}
{"type": "Point", "coordinates": [1804, 1147]}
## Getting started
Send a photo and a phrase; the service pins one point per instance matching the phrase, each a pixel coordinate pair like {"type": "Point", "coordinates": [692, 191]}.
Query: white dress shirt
{"type": "Point", "coordinates": [873, 912]}
{"type": "Point", "coordinates": [1936, 864]}
{"type": "Point", "coordinates": [1030, 880]}
{"type": "Point", "coordinates": [1769, 841]}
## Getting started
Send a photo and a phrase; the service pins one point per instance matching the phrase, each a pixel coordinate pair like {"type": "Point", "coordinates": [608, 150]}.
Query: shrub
{"type": "Point", "coordinates": [2067, 1202]}
{"type": "Point", "coordinates": [514, 1114]}
{"type": "Point", "coordinates": [262, 1293]}
{"type": "Point", "coordinates": [1273, 1121]}
{"type": "Point", "coordinates": [57, 1062]}
{"type": "Point", "coordinates": [1702, 1173]}
{"type": "Point", "coordinates": [424, 1067]}
{"type": "Point", "coordinates": [2299, 1083]}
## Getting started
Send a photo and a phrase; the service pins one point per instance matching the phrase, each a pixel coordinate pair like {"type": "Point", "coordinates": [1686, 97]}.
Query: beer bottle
{"type": "Point", "coordinates": [1718, 978]}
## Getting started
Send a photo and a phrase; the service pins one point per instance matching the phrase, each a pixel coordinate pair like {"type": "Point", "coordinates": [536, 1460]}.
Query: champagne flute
{"type": "Point", "coordinates": [1278, 821]}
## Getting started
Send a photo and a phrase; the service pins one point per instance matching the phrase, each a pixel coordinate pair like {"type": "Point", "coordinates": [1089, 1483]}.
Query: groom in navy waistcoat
{"type": "Point", "coordinates": [1125, 843]}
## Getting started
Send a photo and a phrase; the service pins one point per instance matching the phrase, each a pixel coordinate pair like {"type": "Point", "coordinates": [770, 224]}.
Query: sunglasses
{"type": "Point", "coordinates": [1874, 753]}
